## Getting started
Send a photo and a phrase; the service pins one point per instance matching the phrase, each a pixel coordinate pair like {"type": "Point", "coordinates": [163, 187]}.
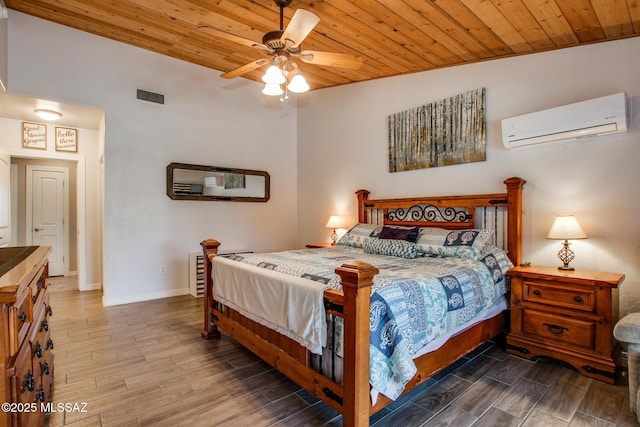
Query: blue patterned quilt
{"type": "Point", "coordinates": [413, 301]}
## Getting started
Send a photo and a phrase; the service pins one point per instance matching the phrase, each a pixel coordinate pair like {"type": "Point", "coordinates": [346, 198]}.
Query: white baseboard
{"type": "Point", "coordinates": [145, 297]}
{"type": "Point", "coordinates": [92, 287]}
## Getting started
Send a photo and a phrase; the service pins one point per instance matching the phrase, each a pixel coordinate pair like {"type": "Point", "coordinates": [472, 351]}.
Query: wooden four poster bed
{"type": "Point", "coordinates": [351, 397]}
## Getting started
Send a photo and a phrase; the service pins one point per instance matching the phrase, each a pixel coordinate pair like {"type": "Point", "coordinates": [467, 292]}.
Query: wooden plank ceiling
{"type": "Point", "coordinates": [394, 37]}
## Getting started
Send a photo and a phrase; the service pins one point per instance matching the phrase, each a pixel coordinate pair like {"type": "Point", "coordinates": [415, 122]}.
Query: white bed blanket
{"type": "Point", "coordinates": [294, 307]}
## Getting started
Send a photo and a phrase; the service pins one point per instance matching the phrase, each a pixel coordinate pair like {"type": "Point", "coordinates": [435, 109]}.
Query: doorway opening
{"type": "Point", "coordinates": [45, 209]}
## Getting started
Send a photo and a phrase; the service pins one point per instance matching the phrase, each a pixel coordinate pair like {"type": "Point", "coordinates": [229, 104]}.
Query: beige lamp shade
{"type": "Point", "coordinates": [334, 222]}
{"type": "Point", "coordinates": [566, 227]}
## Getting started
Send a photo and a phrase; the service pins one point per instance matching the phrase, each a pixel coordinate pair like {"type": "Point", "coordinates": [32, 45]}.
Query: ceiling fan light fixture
{"type": "Point", "coordinates": [273, 76]}
{"type": "Point", "coordinates": [298, 84]}
{"type": "Point", "coordinates": [272, 89]}
{"type": "Point", "coordinates": [48, 114]}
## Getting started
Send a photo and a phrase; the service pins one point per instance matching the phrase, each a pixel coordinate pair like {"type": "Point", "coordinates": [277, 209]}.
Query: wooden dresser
{"type": "Point", "coordinates": [565, 315]}
{"type": "Point", "coordinates": [26, 357]}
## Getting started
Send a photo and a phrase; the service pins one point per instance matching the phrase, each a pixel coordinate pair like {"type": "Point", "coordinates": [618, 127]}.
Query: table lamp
{"type": "Point", "coordinates": [566, 227]}
{"type": "Point", "coordinates": [334, 222]}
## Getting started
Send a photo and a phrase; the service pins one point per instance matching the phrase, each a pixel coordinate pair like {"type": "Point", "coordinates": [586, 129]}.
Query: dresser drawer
{"type": "Point", "coordinates": [559, 330]}
{"type": "Point", "coordinates": [559, 294]}
{"type": "Point", "coordinates": [22, 376]}
{"type": "Point", "coordinates": [20, 319]}
{"type": "Point", "coordinates": [46, 372]}
{"type": "Point", "coordinates": [39, 337]}
{"type": "Point", "coordinates": [39, 283]}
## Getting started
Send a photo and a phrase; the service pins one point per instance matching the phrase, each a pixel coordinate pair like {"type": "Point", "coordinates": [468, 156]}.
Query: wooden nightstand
{"type": "Point", "coordinates": [319, 245]}
{"type": "Point", "coordinates": [566, 315]}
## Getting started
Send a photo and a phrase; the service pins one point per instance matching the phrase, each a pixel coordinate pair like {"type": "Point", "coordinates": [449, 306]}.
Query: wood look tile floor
{"type": "Point", "coordinates": [144, 364]}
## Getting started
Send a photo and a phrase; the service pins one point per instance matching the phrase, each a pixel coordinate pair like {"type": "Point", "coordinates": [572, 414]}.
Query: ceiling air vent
{"type": "Point", "coordinates": [150, 96]}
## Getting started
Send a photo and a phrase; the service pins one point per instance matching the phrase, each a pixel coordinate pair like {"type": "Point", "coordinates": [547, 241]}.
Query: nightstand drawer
{"type": "Point", "coordinates": [559, 330]}
{"type": "Point", "coordinates": [559, 294]}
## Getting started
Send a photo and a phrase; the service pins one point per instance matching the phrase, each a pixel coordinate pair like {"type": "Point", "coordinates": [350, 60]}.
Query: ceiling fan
{"type": "Point", "coordinates": [282, 45]}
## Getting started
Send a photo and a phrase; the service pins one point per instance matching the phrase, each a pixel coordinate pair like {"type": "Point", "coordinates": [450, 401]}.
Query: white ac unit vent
{"type": "Point", "coordinates": [196, 270]}
{"type": "Point", "coordinates": [599, 116]}
{"type": "Point", "coordinates": [196, 274]}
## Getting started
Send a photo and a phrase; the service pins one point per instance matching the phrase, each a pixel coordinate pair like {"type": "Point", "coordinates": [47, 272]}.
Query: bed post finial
{"type": "Point", "coordinates": [363, 196]}
{"type": "Point", "coordinates": [210, 250]}
{"type": "Point", "coordinates": [356, 278]}
{"type": "Point", "coordinates": [514, 237]}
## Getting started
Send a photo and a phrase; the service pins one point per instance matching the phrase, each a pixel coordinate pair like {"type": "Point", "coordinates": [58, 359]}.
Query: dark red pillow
{"type": "Point", "coordinates": [399, 233]}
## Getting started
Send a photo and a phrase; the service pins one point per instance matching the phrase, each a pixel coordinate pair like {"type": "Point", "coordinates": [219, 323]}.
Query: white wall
{"type": "Point", "coordinates": [205, 120]}
{"type": "Point", "coordinates": [342, 147]}
{"type": "Point", "coordinates": [3, 48]}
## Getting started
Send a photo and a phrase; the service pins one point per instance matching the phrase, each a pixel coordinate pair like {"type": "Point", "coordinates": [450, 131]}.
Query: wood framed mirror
{"type": "Point", "coordinates": [197, 182]}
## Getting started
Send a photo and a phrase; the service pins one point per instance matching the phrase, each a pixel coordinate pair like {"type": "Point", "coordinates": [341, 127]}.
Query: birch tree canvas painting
{"type": "Point", "coordinates": [446, 132]}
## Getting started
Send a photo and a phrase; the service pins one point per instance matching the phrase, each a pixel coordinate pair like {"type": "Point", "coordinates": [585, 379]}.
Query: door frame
{"type": "Point", "coordinates": [65, 209]}
{"type": "Point", "coordinates": [80, 205]}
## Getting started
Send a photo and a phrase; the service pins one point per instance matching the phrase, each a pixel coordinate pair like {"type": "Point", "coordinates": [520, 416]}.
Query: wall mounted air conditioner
{"type": "Point", "coordinates": [599, 116]}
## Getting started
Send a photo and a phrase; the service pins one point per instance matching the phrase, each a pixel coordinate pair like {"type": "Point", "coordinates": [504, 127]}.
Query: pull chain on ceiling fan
{"type": "Point", "coordinates": [282, 45]}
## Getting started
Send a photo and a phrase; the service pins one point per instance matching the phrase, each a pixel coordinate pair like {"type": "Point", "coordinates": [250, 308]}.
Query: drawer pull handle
{"type": "Point", "coordinates": [33, 299]}
{"type": "Point", "coordinates": [536, 292]}
{"type": "Point", "coordinates": [555, 329]}
{"type": "Point", "coordinates": [39, 395]}
{"type": "Point", "coordinates": [49, 344]}
{"type": "Point", "coordinates": [44, 325]}
{"type": "Point", "coordinates": [577, 299]}
{"type": "Point", "coordinates": [45, 368]}
{"type": "Point", "coordinates": [37, 351]}
{"type": "Point", "coordinates": [28, 382]}
{"type": "Point", "coordinates": [22, 316]}
{"type": "Point", "coordinates": [49, 310]}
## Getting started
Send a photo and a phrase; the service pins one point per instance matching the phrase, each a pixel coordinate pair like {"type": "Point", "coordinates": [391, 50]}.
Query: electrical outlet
{"type": "Point", "coordinates": [163, 269]}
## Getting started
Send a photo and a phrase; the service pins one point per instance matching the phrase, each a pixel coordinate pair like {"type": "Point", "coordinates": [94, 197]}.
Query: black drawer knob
{"type": "Point", "coordinates": [49, 310]}
{"type": "Point", "coordinates": [22, 316]}
{"type": "Point", "coordinates": [28, 382]}
{"type": "Point", "coordinates": [44, 325]}
{"type": "Point", "coordinates": [536, 292]}
{"type": "Point", "coordinates": [37, 350]}
{"type": "Point", "coordinates": [39, 397]}
{"type": "Point", "coordinates": [49, 343]}
{"type": "Point", "coordinates": [45, 368]}
{"type": "Point", "coordinates": [34, 298]}
{"type": "Point", "coordinates": [577, 299]}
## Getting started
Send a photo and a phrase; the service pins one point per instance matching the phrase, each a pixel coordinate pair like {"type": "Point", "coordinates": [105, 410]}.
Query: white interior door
{"type": "Point", "coordinates": [48, 213]}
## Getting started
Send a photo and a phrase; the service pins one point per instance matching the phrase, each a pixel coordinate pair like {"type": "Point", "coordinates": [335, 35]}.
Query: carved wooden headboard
{"type": "Point", "coordinates": [501, 212]}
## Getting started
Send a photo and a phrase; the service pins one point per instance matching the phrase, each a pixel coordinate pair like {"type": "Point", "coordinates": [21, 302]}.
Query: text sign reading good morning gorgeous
{"type": "Point", "coordinates": [446, 132]}
{"type": "Point", "coordinates": [34, 135]}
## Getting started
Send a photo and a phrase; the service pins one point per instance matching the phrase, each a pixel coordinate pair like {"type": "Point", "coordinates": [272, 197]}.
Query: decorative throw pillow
{"type": "Point", "coordinates": [457, 243]}
{"type": "Point", "coordinates": [358, 235]}
{"type": "Point", "coordinates": [410, 234]}
{"type": "Point", "coordinates": [392, 247]}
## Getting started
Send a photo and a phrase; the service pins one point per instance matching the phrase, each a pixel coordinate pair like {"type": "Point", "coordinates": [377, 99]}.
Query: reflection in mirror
{"type": "Point", "coordinates": [195, 182]}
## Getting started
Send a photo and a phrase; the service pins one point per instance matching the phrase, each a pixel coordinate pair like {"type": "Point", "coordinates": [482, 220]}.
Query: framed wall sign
{"type": "Point", "coordinates": [66, 139]}
{"type": "Point", "coordinates": [34, 135]}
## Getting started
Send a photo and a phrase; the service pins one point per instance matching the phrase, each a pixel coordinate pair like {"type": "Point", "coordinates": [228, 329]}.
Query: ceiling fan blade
{"type": "Point", "coordinates": [299, 27]}
{"type": "Point", "coordinates": [245, 68]}
{"type": "Point", "coordinates": [233, 38]}
{"type": "Point", "coordinates": [331, 59]}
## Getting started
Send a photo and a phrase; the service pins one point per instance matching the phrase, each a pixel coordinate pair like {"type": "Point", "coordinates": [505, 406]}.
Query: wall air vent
{"type": "Point", "coordinates": [145, 95]}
